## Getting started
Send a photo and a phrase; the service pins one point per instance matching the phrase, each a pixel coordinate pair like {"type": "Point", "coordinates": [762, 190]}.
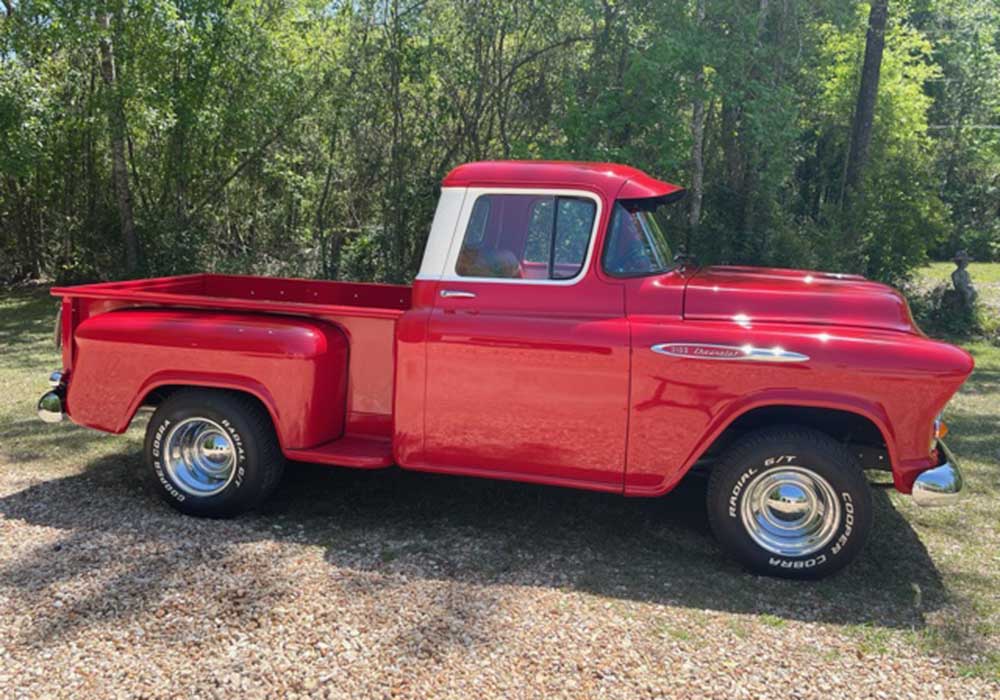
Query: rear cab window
{"type": "Point", "coordinates": [544, 237]}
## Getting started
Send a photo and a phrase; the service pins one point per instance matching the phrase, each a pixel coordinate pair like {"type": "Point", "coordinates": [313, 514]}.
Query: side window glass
{"type": "Point", "coordinates": [477, 221]}
{"type": "Point", "coordinates": [573, 228]}
{"type": "Point", "coordinates": [636, 244]}
{"type": "Point", "coordinates": [526, 236]}
{"type": "Point", "coordinates": [540, 232]}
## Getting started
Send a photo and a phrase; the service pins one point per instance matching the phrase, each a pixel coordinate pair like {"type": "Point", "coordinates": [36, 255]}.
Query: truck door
{"type": "Point", "coordinates": [527, 349]}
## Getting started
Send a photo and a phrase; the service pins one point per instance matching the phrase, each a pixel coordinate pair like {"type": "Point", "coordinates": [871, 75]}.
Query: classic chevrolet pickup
{"type": "Point", "coordinates": [550, 337]}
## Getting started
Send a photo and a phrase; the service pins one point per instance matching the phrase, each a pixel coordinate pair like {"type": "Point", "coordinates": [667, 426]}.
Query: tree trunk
{"type": "Point", "coordinates": [731, 155]}
{"type": "Point", "coordinates": [119, 164]}
{"type": "Point", "coordinates": [864, 111]}
{"type": "Point", "coordinates": [394, 200]}
{"type": "Point", "coordinates": [697, 142]}
{"type": "Point", "coordinates": [19, 223]}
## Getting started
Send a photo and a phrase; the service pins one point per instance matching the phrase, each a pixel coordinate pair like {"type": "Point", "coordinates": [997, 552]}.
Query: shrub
{"type": "Point", "coordinates": [939, 313]}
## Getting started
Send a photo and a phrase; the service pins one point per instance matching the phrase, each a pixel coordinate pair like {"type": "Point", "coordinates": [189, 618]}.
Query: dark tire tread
{"type": "Point", "coordinates": [270, 454]}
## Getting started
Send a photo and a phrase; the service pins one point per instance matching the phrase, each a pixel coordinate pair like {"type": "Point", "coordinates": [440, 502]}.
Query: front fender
{"type": "Point", "coordinates": [296, 367]}
{"type": "Point", "coordinates": [681, 402]}
{"type": "Point", "coordinates": [870, 410]}
{"type": "Point", "coordinates": [668, 478]}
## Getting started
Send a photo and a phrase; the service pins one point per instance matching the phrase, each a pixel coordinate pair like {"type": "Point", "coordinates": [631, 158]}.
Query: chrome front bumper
{"type": "Point", "coordinates": [940, 486]}
{"type": "Point", "coordinates": [51, 407]}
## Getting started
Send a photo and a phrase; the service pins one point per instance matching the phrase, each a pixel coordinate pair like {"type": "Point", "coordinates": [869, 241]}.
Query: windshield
{"type": "Point", "coordinates": [636, 244]}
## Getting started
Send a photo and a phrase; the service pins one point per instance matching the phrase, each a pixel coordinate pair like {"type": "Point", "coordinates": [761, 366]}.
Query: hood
{"type": "Point", "coordinates": [761, 294]}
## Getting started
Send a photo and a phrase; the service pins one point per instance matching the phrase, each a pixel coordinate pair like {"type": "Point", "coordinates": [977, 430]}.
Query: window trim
{"type": "Point", "coordinates": [474, 193]}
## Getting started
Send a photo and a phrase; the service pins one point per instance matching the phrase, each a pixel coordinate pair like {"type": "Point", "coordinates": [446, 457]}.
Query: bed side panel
{"type": "Point", "coordinates": [371, 373]}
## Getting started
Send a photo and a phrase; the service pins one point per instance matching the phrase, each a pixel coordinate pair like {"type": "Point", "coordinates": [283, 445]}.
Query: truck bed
{"type": "Point", "coordinates": [266, 294]}
{"type": "Point", "coordinates": [367, 314]}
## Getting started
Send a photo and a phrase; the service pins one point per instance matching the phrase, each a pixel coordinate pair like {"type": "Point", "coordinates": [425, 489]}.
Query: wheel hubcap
{"type": "Point", "coordinates": [790, 511]}
{"type": "Point", "coordinates": [199, 456]}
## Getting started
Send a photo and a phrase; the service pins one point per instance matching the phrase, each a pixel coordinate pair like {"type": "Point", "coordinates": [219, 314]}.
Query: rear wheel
{"type": "Point", "coordinates": [790, 502]}
{"type": "Point", "coordinates": [212, 453]}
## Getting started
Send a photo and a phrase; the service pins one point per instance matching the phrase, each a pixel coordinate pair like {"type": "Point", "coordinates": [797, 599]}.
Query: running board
{"type": "Point", "coordinates": [358, 451]}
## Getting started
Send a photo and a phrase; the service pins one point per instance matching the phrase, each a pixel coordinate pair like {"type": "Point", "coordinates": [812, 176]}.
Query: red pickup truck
{"type": "Point", "coordinates": [550, 337]}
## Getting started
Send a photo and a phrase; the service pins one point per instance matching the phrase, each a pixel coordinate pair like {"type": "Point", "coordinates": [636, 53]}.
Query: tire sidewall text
{"type": "Point", "coordinates": [839, 544]}
{"type": "Point", "coordinates": [158, 436]}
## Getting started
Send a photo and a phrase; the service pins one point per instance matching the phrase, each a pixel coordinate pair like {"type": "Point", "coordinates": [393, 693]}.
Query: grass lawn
{"type": "Point", "coordinates": [974, 416]}
{"type": "Point", "coordinates": [982, 273]}
{"type": "Point", "coordinates": [925, 593]}
{"type": "Point", "coordinates": [985, 276]}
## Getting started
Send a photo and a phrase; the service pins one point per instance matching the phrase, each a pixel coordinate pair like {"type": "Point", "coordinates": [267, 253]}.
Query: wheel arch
{"type": "Point", "coordinates": [158, 388]}
{"type": "Point", "coordinates": [831, 414]}
{"type": "Point", "coordinates": [842, 424]}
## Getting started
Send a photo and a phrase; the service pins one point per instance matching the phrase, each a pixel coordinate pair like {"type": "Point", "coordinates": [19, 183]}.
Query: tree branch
{"type": "Point", "coordinates": [258, 151]}
{"type": "Point", "coordinates": [528, 58]}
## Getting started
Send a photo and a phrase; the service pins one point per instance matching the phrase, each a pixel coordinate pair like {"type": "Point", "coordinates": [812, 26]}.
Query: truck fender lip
{"type": "Point", "coordinates": [50, 407]}
{"type": "Point", "coordinates": [940, 486]}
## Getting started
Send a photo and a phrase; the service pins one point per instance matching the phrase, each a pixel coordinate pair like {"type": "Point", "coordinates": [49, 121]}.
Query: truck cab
{"type": "Point", "coordinates": [550, 336]}
{"type": "Point", "coordinates": [520, 306]}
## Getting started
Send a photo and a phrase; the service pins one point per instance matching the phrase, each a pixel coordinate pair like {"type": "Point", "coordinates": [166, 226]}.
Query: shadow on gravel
{"type": "Point", "coordinates": [28, 439]}
{"type": "Point", "coordinates": [378, 527]}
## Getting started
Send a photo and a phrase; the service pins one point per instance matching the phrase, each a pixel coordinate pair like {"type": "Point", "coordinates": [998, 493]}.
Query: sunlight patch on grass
{"type": "Point", "coordinates": [985, 277]}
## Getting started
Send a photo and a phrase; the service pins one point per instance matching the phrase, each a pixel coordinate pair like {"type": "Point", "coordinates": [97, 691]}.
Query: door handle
{"type": "Point", "coordinates": [457, 294]}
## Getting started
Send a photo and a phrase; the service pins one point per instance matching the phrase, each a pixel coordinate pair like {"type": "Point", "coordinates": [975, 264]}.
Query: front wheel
{"type": "Point", "coordinates": [212, 453]}
{"type": "Point", "coordinates": [790, 502]}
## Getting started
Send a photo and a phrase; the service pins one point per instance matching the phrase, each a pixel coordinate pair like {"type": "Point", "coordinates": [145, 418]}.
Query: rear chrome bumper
{"type": "Point", "coordinates": [51, 407]}
{"type": "Point", "coordinates": [940, 486]}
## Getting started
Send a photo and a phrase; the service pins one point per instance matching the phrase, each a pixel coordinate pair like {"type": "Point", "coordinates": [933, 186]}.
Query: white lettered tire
{"type": "Point", "coordinates": [790, 502]}
{"type": "Point", "coordinates": [212, 453]}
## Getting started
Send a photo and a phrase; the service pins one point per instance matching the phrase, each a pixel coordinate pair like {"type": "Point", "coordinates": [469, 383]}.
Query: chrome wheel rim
{"type": "Point", "coordinates": [790, 511]}
{"type": "Point", "coordinates": [199, 456]}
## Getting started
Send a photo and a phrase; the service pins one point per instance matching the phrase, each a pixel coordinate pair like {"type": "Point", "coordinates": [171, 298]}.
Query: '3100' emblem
{"type": "Point", "coordinates": [745, 353]}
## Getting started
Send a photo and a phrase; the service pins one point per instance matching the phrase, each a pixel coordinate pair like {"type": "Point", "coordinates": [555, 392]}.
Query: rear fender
{"type": "Point", "coordinates": [296, 367]}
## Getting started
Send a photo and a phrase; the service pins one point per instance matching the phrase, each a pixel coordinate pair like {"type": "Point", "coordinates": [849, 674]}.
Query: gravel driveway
{"type": "Point", "coordinates": [390, 584]}
{"type": "Point", "coordinates": [395, 585]}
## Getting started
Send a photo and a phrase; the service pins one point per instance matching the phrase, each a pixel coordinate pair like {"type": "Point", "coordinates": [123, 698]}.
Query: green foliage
{"type": "Point", "coordinates": [939, 318]}
{"type": "Point", "coordinates": [935, 308]}
{"type": "Point", "coordinates": [966, 115]}
{"type": "Point", "coordinates": [303, 137]}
